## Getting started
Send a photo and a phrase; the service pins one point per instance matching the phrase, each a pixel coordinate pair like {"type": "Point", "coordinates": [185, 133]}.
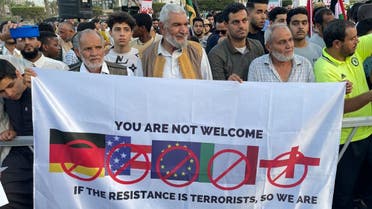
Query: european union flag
{"type": "Point", "coordinates": [175, 160]}
{"type": "Point", "coordinates": [119, 156]}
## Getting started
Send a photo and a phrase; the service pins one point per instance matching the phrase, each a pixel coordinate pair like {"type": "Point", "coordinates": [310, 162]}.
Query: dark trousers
{"type": "Point", "coordinates": [17, 179]}
{"type": "Point", "coordinates": [351, 173]}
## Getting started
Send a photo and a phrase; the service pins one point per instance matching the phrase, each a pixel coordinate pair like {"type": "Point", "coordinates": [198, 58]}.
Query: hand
{"type": "Point", "coordinates": [29, 72]}
{"type": "Point", "coordinates": [349, 86]}
{"type": "Point", "coordinates": [7, 135]}
{"type": "Point", "coordinates": [235, 77]}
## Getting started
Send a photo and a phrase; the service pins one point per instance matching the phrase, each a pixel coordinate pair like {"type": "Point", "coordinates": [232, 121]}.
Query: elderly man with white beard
{"type": "Point", "coordinates": [174, 56]}
{"type": "Point", "coordinates": [281, 64]}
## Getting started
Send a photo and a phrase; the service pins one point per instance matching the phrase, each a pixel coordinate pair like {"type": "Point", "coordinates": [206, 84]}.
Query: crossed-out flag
{"type": "Point", "coordinates": [86, 156]}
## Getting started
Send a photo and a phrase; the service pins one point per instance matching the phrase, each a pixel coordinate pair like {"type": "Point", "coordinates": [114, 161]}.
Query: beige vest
{"type": "Point", "coordinates": [189, 61]}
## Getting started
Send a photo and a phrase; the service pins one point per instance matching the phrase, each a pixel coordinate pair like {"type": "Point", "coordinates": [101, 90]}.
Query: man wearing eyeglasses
{"type": "Point", "coordinates": [219, 33]}
{"type": "Point", "coordinates": [231, 58]}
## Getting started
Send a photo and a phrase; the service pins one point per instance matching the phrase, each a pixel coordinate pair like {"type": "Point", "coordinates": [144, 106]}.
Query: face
{"type": "Point", "coordinates": [299, 26]}
{"type": "Point", "coordinates": [281, 45]}
{"type": "Point", "coordinates": [211, 19]}
{"type": "Point", "coordinates": [155, 24]}
{"type": "Point", "coordinates": [175, 31]}
{"type": "Point", "coordinates": [91, 50]}
{"type": "Point", "coordinates": [121, 33]}
{"type": "Point", "coordinates": [51, 48]}
{"type": "Point", "coordinates": [280, 18]}
{"type": "Point", "coordinates": [221, 29]}
{"type": "Point", "coordinates": [198, 28]}
{"type": "Point", "coordinates": [350, 43]}
{"type": "Point", "coordinates": [65, 32]}
{"type": "Point", "coordinates": [31, 47]}
{"type": "Point", "coordinates": [238, 25]}
{"type": "Point", "coordinates": [207, 28]}
{"type": "Point", "coordinates": [12, 88]}
{"type": "Point", "coordinates": [258, 16]}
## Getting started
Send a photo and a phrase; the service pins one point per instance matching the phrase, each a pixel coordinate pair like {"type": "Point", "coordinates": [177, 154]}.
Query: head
{"type": "Point", "coordinates": [155, 23]}
{"type": "Point", "coordinates": [321, 19]}
{"type": "Point", "coordinates": [66, 30]}
{"type": "Point", "coordinates": [174, 25]}
{"type": "Point", "coordinates": [43, 26]}
{"type": "Point", "coordinates": [143, 24]}
{"type": "Point", "coordinates": [353, 11]}
{"type": "Point", "coordinates": [341, 36]}
{"type": "Point", "coordinates": [210, 18]}
{"type": "Point", "coordinates": [121, 25]}
{"type": "Point", "coordinates": [9, 42]}
{"type": "Point", "coordinates": [279, 42]}
{"type": "Point", "coordinates": [207, 26]}
{"type": "Point", "coordinates": [364, 27]}
{"type": "Point", "coordinates": [236, 20]}
{"type": "Point", "coordinates": [49, 44]}
{"type": "Point", "coordinates": [278, 15]}
{"type": "Point", "coordinates": [257, 10]}
{"type": "Point", "coordinates": [11, 81]}
{"type": "Point", "coordinates": [97, 23]}
{"type": "Point", "coordinates": [31, 47]}
{"type": "Point", "coordinates": [198, 26]}
{"type": "Point", "coordinates": [85, 25]}
{"type": "Point", "coordinates": [221, 28]}
{"type": "Point", "coordinates": [91, 49]}
{"type": "Point", "coordinates": [297, 20]}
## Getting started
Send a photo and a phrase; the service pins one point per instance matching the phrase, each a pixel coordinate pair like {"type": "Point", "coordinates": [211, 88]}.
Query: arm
{"type": "Point", "coordinates": [355, 103]}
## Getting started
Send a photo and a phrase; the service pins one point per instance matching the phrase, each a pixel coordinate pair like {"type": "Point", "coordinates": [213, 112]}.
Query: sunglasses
{"type": "Point", "coordinates": [223, 32]}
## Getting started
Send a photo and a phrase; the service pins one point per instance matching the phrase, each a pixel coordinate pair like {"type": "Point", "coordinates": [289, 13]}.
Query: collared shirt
{"type": "Point", "coordinates": [104, 69]}
{"type": "Point", "coordinates": [329, 69]}
{"type": "Point", "coordinates": [225, 59]}
{"type": "Point", "coordinates": [49, 63]}
{"type": "Point", "coordinates": [263, 70]}
{"type": "Point", "coordinates": [316, 39]}
{"type": "Point", "coordinates": [70, 58]}
{"type": "Point", "coordinates": [172, 69]}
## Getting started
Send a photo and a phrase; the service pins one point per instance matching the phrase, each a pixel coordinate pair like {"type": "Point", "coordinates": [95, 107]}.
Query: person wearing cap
{"type": "Point", "coordinates": [257, 11]}
{"type": "Point", "coordinates": [207, 29]}
{"type": "Point", "coordinates": [231, 58]}
{"type": "Point", "coordinates": [32, 55]}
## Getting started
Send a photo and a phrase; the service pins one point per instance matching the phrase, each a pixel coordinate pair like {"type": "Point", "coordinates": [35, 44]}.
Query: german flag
{"type": "Point", "coordinates": [80, 155]}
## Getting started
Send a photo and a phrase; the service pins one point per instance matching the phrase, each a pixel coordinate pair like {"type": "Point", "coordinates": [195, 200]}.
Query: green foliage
{"type": "Point", "coordinates": [29, 13]}
{"type": "Point", "coordinates": [215, 5]}
{"type": "Point", "coordinates": [286, 3]}
{"type": "Point", "coordinates": [97, 11]}
{"type": "Point", "coordinates": [157, 7]}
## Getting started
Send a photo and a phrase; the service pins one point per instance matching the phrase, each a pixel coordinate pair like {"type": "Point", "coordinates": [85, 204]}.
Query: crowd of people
{"type": "Point", "coordinates": [241, 43]}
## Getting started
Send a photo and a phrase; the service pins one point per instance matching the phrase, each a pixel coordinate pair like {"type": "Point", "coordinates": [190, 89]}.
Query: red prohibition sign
{"type": "Point", "coordinates": [273, 180]}
{"type": "Point", "coordinates": [114, 176]}
{"type": "Point", "coordinates": [69, 171]}
{"type": "Point", "coordinates": [242, 158]}
{"type": "Point", "coordinates": [191, 155]}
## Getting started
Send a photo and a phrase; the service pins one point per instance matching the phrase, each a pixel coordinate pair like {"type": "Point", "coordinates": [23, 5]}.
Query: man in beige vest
{"type": "Point", "coordinates": [173, 56]}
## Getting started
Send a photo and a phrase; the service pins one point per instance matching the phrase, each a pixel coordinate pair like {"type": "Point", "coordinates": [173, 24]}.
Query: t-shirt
{"type": "Point", "coordinates": [312, 52]}
{"type": "Point", "coordinates": [130, 60]}
{"type": "Point", "coordinates": [328, 69]}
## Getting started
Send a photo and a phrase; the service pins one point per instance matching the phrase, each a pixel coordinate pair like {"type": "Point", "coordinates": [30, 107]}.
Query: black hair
{"type": "Point", "coordinates": [43, 26]}
{"type": "Point", "coordinates": [45, 36]}
{"type": "Point", "coordinates": [318, 16]}
{"type": "Point", "coordinates": [277, 11]}
{"type": "Point", "coordinates": [364, 26]}
{"type": "Point", "coordinates": [85, 25]}
{"type": "Point", "coordinates": [232, 8]}
{"type": "Point", "coordinates": [143, 19]}
{"type": "Point", "coordinates": [197, 19]}
{"type": "Point", "coordinates": [7, 70]}
{"type": "Point", "coordinates": [336, 30]}
{"type": "Point", "coordinates": [296, 11]}
{"type": "Point", "coordinates": [121, 17]}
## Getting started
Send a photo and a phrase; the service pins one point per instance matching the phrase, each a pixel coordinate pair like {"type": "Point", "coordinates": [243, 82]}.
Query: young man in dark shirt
{"type": "Point", "coordinates": [17, 179]}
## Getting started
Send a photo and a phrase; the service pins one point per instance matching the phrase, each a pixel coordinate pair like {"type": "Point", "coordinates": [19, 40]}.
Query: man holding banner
{"type": "Point", "coordinates": [342, 60]}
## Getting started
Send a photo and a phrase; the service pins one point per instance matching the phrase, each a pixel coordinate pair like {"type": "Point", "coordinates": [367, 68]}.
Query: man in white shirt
{"type": "Point", "coordinates": [174, 56]}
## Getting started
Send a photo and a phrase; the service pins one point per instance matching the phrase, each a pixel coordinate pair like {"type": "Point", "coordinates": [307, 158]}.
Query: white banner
{"type": "Point", "coordinates": [105, 142]}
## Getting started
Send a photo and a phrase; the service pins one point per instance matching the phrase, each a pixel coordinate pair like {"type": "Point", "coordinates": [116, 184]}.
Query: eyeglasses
{"type": "Point", "coordinates": [223, 32]}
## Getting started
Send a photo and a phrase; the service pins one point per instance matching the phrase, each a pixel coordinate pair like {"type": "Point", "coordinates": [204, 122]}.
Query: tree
{"type": "Point", "coordinates": [47, 10]}
{"type": "Point", "coordinates": [215, 5]}
{"type": "Point", "coordinates": [30, 13]}
{"type": "Point", "coordinates": [156, 7]}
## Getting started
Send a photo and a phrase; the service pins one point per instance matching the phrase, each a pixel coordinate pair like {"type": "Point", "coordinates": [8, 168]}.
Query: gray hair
{"type": "Point", "coordinates": [170, 8]}
{"type": "Point", "coordinates": [77, 38]}
{"type": "Point", "coordinates": [269, 31]}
